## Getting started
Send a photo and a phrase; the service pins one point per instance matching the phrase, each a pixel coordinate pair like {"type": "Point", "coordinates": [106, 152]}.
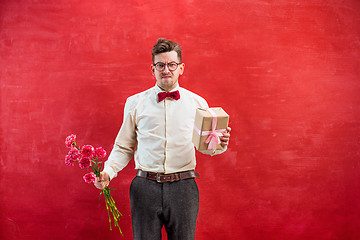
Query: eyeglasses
{"type": "Point", "coordinates": [172, 66]}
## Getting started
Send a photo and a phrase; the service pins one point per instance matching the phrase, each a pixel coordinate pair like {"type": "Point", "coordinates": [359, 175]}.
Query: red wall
{"type": "Point", "coordinates": [286, 71]}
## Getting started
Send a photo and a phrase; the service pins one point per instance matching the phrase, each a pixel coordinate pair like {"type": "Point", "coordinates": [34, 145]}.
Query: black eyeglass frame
{"type": "Point", "coordinates": [156, 65]}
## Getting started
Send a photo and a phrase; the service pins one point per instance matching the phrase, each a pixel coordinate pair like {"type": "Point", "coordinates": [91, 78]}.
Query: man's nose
{"type": "Point", "coordinates": [166, 68]}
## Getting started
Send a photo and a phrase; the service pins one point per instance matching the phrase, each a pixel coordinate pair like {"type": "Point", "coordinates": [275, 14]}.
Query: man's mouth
{"type": "Point", "coordinates": [166, 76]}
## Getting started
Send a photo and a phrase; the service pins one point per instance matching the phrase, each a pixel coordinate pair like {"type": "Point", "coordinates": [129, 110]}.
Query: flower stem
{"type": "Point", "coordinates": [111, 208]}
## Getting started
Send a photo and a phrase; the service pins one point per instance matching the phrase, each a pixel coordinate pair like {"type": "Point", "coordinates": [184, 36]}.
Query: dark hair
{"type": "Point", "coordinates": [164, 45]}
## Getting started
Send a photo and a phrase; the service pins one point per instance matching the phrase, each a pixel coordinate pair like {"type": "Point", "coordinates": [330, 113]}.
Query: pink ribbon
{"type": "Point", "coordinates": [214, 134]}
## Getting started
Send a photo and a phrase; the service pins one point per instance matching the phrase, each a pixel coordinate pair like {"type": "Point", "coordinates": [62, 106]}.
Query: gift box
{"type": "Point", "coordinates": [209, 125]}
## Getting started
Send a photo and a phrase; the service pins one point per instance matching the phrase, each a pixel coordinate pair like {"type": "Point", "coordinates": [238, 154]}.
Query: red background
{"type": "Point", "coordinates": [287, 72]}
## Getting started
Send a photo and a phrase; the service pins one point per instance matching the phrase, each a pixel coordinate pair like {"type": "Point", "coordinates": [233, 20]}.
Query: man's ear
{"type": "Point", "coordinates": [152, 69]}
{"type": "Point", "coordinates": [182, 68]}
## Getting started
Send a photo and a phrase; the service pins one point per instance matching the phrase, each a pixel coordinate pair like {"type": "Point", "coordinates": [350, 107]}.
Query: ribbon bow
{"type": "Point", "coordinates": [174, 95]}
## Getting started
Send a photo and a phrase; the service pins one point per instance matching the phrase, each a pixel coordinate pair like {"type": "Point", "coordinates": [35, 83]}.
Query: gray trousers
{"type": "Point", "coordinates": [174, 205]}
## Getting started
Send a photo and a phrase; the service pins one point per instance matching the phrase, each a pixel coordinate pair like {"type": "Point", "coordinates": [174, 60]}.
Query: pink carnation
{"type": "Point", "coordinates": [74, 152]}
{"type": "Point", "coordinates": [70, 140]}
{"type": "Point", "coordinates": [87, 151]}
{"type": "Point", "coordinates": [84, 163]}
{"type": "Point", "coordinates": [99, 153]}
{"type": "Point", "coordinates": [89, 177]}
{"type": "Point", "coordinates": [72, 156]}
{"type": "Point", "coordinates": [69, 161]}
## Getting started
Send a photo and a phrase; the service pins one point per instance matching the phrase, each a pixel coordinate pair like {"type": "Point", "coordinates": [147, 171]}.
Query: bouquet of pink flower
{"type": "Point", "coordinates": [88, 157]}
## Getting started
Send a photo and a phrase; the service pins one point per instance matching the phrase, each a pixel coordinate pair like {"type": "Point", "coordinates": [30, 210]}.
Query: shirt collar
{"type": "Point", "coordinates": [158, 89]}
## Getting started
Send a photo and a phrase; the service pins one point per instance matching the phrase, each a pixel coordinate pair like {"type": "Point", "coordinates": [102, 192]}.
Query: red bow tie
{"type": "Point", "coordinates": [174, 95]}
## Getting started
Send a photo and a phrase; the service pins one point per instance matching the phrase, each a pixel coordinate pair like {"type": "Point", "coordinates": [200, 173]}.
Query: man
{"type": "Point", "coordinates": [157, 131]}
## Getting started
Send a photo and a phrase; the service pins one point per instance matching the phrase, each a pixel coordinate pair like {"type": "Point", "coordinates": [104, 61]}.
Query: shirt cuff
{"type": "Point", "coordinates": [110, 172]}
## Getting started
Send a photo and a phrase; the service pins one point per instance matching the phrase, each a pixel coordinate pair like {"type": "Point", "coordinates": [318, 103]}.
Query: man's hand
{"type": "Point", "coordinates": [225, 137]}
{"type": "Point", "coordinates": [102, 181]}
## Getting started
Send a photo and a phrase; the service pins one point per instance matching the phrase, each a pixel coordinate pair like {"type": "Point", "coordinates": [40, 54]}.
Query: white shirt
{"type": "Point", "coordinates": [157, 134]}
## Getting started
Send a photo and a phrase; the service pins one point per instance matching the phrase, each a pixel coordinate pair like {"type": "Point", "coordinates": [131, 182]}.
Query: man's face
{"type": "Point", "coordinates": [167, 79]}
